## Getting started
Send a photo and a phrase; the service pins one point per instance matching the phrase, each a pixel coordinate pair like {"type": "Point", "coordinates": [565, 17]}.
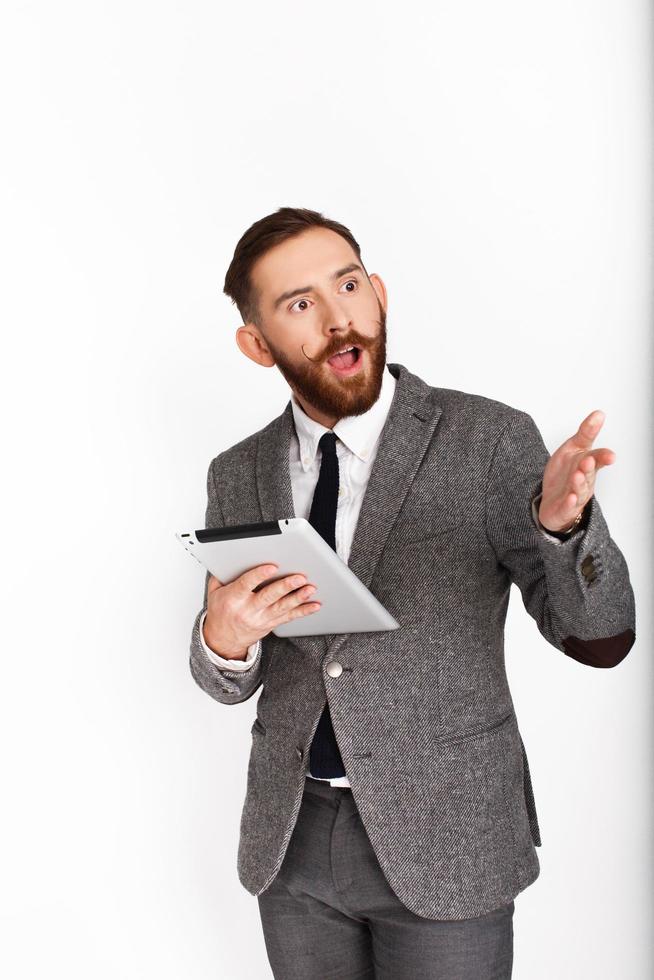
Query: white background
{"type": "Point", "coordinates": [494, 162]}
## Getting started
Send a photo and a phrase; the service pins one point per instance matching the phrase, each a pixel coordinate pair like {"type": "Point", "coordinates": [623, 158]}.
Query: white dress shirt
{"type": "Point", "coordinates": [356, 447]}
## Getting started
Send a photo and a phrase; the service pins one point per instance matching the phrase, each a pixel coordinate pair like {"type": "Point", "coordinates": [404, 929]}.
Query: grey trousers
{"type": "Point", "coordinates": [330, 914]}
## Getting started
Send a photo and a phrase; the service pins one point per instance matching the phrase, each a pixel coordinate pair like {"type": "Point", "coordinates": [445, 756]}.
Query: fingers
{"type": "Point", "coordinates": [602, 457]}
{"type": "Point", "coordinates": [587, 431]}
{"type": "Point", "coordinates": [213, 583]}
{"type": "Point", "coordinates": [287, 602]}
{"type": "Point", "coordinates": [591, 463]}
{"type": "Point", "coordinates": [583, 477]}
{"type": "Point", "coordinates": [276, 590]}
{"type": "Point", "coordinates": [255, 576]}
{"type": "Point", "coordinates": [304, 609]}
{"type": "Point", "coordinates": [283, 600]}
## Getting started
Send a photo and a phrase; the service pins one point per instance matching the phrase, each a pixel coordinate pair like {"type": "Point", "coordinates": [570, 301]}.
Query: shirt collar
{"type": "Point", "coordinates": [358, 432]}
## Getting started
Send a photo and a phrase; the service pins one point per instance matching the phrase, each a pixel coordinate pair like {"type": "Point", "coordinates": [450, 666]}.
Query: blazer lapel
{"type": "Point", "coordinates": [272, 468]}
{"type": "Point", "coordinates": [407, 432]}
{"type": "Point", "coordinates": [409, 427]}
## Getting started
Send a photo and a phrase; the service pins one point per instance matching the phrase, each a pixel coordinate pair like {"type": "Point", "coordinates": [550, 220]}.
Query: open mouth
{"type": "Point", "coordinates": [346, 362]}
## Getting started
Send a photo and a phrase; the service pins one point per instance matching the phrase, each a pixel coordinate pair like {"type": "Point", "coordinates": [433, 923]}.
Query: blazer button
{"type": "Point", "coordinates": [299, 751]}
{"type": "Point", "coordinates": [334, 669]}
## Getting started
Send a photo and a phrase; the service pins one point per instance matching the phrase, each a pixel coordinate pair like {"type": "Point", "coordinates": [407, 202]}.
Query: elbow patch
{"type": "Point", "coordinates": [606, 651]}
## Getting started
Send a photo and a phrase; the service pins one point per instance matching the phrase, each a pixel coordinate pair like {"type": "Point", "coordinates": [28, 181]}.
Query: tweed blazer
{"type": "Point", "coordinates": [423, 714]}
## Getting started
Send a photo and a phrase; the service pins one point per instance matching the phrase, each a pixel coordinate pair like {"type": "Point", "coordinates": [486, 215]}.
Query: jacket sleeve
{"type": "Point", "coordinates": [578, 589]}
{"type": "Point", "coordinates": [222, 684]}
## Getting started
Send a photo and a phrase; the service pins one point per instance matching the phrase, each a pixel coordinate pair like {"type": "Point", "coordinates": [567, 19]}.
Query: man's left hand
{"type": "Point", "coordinates": [569, 476]}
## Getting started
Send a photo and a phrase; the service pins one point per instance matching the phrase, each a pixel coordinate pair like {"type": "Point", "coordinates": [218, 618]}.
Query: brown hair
{"type": "Point", "coordinates": [259, 238]}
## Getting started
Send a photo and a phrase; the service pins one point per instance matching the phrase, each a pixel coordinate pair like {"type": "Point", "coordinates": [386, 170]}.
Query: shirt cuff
{"type": "Point", "coordinates": [215, 658]}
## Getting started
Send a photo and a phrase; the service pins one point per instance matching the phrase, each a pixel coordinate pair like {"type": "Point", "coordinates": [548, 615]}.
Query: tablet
{"type": "Point", "coordinates": [295, 546]}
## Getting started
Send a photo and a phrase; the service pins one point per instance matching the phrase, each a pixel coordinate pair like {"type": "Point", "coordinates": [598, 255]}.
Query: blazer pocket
{"type": "Point", "coordinates": [423, 535]}
{"type": "Point", "coordinates": [478, 731]}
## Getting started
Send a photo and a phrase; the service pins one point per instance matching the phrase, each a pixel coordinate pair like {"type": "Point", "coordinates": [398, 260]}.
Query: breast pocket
{"type": "Point", "coordinates": [425, 535]}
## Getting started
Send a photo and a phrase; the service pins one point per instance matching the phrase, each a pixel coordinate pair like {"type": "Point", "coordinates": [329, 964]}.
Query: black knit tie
{"type": "Point", "coordinates": [324, 756]}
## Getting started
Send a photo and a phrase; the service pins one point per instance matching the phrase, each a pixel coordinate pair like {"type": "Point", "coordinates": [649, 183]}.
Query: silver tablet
{"type": "Point", "coordinates": [295, 546]}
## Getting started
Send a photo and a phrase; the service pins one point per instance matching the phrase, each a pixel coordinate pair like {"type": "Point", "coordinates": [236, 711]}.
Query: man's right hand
{"type": "Point", "coordinates": [237, 616]}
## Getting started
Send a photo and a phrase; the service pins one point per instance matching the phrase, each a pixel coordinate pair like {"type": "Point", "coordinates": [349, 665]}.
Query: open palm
{"type": "Point", "coordinates": [569, 476]}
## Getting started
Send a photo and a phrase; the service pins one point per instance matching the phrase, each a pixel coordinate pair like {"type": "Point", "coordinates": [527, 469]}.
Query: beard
{"type": "Point", "coordinates": [324, 390]}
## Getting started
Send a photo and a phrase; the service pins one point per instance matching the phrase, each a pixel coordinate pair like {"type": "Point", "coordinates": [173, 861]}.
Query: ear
{"type": "Point", "coordinates": [380, 289]}
{"type": "Point", "coordinates": [252, 344]}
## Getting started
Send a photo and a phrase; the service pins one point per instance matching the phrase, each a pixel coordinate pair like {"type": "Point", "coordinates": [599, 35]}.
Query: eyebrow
{"type": "Point", "coordinates": [352, 267]}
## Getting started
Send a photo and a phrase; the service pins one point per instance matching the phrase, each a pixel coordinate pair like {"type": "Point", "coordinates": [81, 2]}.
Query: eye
{"type": "Point", "coordinates": [297, 303]}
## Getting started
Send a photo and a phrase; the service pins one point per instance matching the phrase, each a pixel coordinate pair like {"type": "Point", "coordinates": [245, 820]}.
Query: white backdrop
{"type": "Point", "coordinates": [494, 162]}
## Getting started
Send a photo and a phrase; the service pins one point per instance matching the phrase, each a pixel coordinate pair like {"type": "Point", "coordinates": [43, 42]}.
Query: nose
{"type": "Point", "coordinates": [336, 319]}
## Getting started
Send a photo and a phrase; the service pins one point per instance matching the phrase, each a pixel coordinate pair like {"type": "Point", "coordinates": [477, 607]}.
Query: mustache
{"type": "Point", "coordinates": [309, 358]}
{"type": "Point", "coordinates": [326, 355]}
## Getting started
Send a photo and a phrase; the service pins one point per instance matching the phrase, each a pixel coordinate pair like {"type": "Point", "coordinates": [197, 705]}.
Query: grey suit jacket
{"type": "Point", "coordinates": [423, 714]}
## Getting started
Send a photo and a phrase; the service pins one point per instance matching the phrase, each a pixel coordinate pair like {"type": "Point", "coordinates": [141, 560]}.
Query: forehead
{"type": "Point", "coordinates": [306, 259]}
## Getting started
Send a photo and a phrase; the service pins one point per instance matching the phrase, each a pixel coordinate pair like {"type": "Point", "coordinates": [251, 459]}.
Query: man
{"type": "Point", "coordinates": [389, 820]}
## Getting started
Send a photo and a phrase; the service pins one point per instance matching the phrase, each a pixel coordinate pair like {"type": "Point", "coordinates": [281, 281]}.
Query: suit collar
{"type": "Point", "coordinates": [410, 423]}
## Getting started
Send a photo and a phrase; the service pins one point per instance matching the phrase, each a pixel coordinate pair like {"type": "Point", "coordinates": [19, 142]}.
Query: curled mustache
{"type": "Point", "coordinates": [359, 345]}
{"type": "Point", "coordinates": [307, 356]}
